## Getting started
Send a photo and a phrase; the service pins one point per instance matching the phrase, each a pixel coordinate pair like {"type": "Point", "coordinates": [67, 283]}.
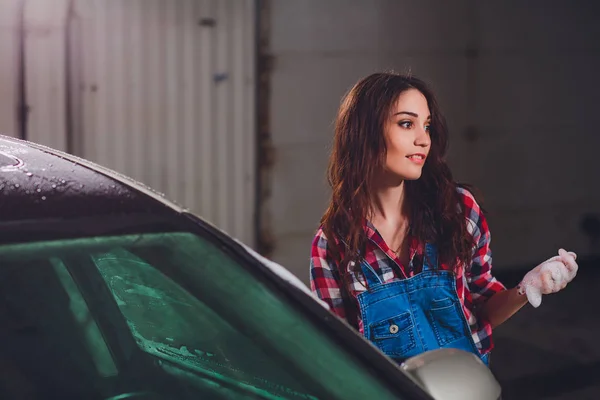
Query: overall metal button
{"type": "Point", "coordinates": [393, 328]}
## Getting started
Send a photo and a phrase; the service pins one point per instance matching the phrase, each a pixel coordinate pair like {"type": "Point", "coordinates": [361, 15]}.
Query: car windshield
{"type": "Point", "coordinates": [158, 316]}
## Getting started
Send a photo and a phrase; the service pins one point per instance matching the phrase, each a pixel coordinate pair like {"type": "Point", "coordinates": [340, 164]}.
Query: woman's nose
{"type": "Point", "coordinates": [423, 138]}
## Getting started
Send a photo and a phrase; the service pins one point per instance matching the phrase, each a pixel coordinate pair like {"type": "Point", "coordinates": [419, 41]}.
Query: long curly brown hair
{"type": "Point", "coordinates": [358, 155]}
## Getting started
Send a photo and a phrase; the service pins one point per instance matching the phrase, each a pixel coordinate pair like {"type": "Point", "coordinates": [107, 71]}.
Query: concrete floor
{"type": "Point", "coordinates": [553, 352]}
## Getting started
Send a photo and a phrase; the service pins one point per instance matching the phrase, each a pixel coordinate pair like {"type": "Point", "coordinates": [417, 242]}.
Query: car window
{"type": "Point", "coordinates": [90, 333]}
{"type": "Point", "coordinates": [167, 321]}
{"type": "Point", "coordinates": [169, 315]}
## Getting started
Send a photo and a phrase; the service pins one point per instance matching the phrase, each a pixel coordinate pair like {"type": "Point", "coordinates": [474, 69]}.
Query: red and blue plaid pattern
{"type": "Point", "coordinates": [474, 284]}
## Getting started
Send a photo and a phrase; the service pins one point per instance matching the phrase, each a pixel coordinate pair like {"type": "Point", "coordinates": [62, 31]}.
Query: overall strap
{"type": "Point", "coordinates": [371, 276]}
{"type": "Point", "coordinates": [430, 261]}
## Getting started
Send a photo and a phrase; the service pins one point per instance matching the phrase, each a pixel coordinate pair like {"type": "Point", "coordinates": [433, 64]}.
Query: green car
{"type": "Point", "coordinates": [108, 291]}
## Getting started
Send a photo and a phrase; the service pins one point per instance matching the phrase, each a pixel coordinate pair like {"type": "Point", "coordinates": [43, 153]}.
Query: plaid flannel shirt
{"type": "Point", "coordinates": [474, 284]}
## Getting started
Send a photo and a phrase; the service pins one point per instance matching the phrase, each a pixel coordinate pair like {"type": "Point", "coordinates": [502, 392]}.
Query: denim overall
{"type": "Point", "coordinates": [408, 317]}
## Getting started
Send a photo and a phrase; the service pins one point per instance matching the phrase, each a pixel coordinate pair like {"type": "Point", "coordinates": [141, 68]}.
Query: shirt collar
{"type": "Point", "coordinates": [416, 247]}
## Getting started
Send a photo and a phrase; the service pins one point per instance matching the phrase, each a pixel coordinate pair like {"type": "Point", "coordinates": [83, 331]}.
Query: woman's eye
{"type": "Point", "coordinates": [427, 128]}
{"type": "Point", "coordinates": [406, 124]}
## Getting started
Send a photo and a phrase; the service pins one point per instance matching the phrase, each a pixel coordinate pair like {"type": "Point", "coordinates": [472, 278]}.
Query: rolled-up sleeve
{"type": "Point", "coordinates": [482, 284]}
{"type": "Point", "coordinates": [324, 278]}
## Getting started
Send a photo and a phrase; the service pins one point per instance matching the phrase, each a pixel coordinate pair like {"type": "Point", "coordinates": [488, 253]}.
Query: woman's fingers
{"type": "Point", "coordinates": [568, 260]}
{"type": "Point", "coordinates": [553, 277]}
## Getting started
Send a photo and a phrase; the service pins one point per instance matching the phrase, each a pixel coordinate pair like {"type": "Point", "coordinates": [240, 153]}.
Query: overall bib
{"type": "Point", "coordinates": [417, 314]}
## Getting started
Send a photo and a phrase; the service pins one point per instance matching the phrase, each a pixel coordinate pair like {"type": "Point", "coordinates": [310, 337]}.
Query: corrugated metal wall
{"type": "Point", "coordinates": [45, 60]}
{"type": "Point", "coordinates": [160, 90]}
{"type": "Point", "coordinates": [9, 73]}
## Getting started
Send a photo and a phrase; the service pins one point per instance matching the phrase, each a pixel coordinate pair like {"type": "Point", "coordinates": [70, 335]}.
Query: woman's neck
{"type": "Point", "coordinates": [388, 203]}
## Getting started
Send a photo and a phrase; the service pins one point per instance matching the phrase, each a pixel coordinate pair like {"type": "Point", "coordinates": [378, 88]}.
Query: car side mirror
{"type": "Point", "coordinates": [449, 374]}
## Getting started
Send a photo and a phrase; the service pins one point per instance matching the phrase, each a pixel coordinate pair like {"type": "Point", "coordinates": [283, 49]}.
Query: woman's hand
{"type": "Point", "coordinates": [550, 276]}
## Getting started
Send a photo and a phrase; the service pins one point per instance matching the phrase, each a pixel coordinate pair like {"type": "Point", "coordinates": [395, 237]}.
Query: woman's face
{"type": "Point", "coordinates": [407, 136]}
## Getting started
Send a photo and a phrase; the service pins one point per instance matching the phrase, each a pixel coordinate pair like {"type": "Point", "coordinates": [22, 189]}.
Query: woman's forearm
{"type": "Point", "coordinates": [501, 306]}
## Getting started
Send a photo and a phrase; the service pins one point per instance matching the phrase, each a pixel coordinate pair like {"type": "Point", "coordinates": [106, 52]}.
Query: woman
{"type": "Point", "coordinates": [403, 252]}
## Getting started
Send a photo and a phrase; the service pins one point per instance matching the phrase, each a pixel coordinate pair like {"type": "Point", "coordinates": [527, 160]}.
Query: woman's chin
{"type": "Point", "coordinates": [413, 176]}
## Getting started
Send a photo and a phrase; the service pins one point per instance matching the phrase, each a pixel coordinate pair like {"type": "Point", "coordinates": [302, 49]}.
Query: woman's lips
{"type": "Point", "coordinates": [417, 158]}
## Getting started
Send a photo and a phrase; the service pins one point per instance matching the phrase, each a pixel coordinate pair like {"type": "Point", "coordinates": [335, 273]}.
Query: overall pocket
{"type": "Point", "coordinates": [447, 322]}
{"type": "Point", "coordinates": [394, 336]}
